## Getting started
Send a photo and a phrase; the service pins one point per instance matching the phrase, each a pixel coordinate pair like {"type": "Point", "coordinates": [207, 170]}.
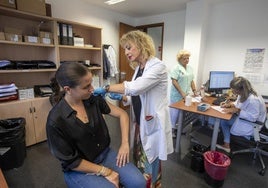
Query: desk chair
{"type": "Point", "coordinates": [260, 141]}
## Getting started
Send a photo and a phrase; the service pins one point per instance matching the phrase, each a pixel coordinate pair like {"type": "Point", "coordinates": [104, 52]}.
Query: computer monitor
{"type": "Point", "coordinates": [220, 80]}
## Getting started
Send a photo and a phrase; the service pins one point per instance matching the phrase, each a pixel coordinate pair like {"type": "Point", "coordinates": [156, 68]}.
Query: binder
{"type": "Point", "coordinates": [64, 34]}
{"type": "Point", "coordinates": [70, 34]}
{"type": "Point", "coordinates": [59, 31]}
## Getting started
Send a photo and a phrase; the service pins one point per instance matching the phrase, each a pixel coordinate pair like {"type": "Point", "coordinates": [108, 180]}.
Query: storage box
{"type": "Point", "coordinates": [32, 39]}
{"type": "Point", "coordinates": [13, 37]}
{"type": "Point", "coordinates": [8, 3]}
{"type": "Point", "coordinates": [33, 6]}
{"type": "Point", "coordinates": [12, 30]}
{"type": "Point", "coordinates": [26, 93]}
{"type": "Point", "coordinates": [2, 36]}
{"type": "Point", "coordinates": [45, 34]}
{"type": "Point", "coordinates": [46, 40]}
{"type": "Point", "coordinates": [78, 41]}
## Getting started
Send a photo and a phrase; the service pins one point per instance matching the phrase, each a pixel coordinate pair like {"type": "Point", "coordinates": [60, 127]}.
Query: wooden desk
{"type": "Point", "coordinates": [193, 108]}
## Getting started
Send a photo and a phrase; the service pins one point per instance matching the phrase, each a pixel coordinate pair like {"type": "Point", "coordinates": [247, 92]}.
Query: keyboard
{"type": "Point", "coordinates": [218, 100]}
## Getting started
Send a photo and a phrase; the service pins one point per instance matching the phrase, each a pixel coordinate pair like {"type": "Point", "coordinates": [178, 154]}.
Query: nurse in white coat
{"type": "Point", "coordinates": [249, 107]}
{"type": "Point", "coordinates": [147, 94]}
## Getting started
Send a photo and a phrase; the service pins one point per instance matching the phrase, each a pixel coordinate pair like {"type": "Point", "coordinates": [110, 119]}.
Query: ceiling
{"type": "Point", "coordinates": [143, 8]}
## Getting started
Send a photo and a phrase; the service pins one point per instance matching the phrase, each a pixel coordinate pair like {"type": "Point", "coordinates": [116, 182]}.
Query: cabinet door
{"type": "Point", "coordinates": [41, 108]}
{"type": "Point", "coordinates": [20, 109]}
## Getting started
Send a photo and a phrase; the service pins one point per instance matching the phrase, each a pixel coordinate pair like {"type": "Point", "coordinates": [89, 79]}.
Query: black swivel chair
{"type": "Point", "coordinates": [259, 145]}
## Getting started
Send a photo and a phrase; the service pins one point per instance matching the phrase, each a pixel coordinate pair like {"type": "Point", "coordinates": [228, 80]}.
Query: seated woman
{"type": "Point", "coordinates": [78, 135]}
{"type": "Point", "coordinates": [249, 106]}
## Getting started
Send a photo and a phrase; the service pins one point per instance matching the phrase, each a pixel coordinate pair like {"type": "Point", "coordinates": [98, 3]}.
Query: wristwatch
{"type": "Point", "coordinates": [107, 87]}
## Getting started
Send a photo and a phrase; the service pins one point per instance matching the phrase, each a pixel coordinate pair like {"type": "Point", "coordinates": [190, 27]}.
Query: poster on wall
{"type": "Point", "coordinates": [254, 64]}
{"type": "Point", "coordinates": [254, 60]}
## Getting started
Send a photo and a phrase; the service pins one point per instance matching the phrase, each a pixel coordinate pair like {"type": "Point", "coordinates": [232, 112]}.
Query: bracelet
{"type": "Point", "coordinates": [101, 171]}
{"type": "Point", "coordinates": [109, 172]}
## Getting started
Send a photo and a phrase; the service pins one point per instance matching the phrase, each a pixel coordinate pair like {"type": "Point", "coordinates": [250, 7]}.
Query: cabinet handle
{"type": "Point", "coordinates": [32, 110]}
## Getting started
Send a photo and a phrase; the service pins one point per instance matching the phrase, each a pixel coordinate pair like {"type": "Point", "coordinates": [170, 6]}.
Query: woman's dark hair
{"type": "Point", "coordinates": [68, 74]}
{"type": "Point", "coordinates": [243, 86]}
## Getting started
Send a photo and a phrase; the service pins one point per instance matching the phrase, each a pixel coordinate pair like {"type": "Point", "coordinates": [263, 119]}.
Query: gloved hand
{"type": "Point", "coordinates": [100, 91]}
{"type": "Point", "coordinates": [115, 96]}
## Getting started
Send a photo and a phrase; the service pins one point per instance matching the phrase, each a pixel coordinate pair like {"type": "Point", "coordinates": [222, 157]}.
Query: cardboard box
{"type": "Point", "coordinates": [2, 36]}
{"type": "Point", "coordinates": [26, 93]}
{"type": "Point", "coordinates": [13, 37]}
{"type": "Point", "coordinates": [46, 40]}
{"type": "Point", "coordinates": [12, 30]}
{"type": "Point", "coordinates": [8, 3]}
{"type": "Point", "coordinates": [44, 34]}
{"type": "Point", "coordinates": [33, 6]}
{"type": "Point", "coordinates": [78, 41]}
{"type": "Point", "coordinates": [32, 39]}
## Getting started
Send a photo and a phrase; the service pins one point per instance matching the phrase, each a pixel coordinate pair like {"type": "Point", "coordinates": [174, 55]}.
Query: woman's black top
{"type": "Point", "coordinates": [70, 140]}
{"type": "Point", "coordinates": [136, 101]}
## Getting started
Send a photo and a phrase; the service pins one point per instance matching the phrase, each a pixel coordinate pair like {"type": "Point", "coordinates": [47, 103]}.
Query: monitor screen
{"type": "Point", "coordinates": [219, 80]}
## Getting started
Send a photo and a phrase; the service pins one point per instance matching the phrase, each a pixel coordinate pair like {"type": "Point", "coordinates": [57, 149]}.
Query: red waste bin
{"type": "Point", "coordinates": [216, 166]}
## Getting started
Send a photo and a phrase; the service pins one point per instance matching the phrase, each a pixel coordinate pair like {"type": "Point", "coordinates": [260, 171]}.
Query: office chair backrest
{"type": "Point", "coordinates": [263, 133]}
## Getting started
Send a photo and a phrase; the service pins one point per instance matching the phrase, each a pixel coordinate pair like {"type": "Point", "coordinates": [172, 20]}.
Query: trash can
{"type": "Point", "coordinates": [216, 167]}
{"type": "Point", "coordinates": [12, 143]}
{"type": "Point", "coordinates": [197, 158]}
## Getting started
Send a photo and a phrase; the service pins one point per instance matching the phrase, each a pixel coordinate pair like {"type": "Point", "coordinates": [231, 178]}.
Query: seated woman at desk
{"type": "Point", "coordinates": [249, 107]}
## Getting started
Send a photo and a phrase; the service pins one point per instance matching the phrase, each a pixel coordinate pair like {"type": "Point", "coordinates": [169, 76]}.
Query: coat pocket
{"type": "Point", "coordinates": [151, 124]}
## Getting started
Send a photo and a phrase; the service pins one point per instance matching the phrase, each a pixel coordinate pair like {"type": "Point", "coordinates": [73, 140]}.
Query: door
{"type": "Point", "coordinates": [126, 72]}
{"type": "Point", "coordinates": [23, 109]}
{"type": "Point", "coordinates": [41, 108]}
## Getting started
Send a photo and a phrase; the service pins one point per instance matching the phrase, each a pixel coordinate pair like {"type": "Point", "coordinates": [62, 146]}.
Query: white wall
{"type": "Point", "coordinates": [173, 34]}
{"type": "Point", "coordinates": [233, 27]}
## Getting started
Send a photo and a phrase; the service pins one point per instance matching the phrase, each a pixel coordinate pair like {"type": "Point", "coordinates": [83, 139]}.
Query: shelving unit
{"type": "Point", "coordinates": [30, 24]}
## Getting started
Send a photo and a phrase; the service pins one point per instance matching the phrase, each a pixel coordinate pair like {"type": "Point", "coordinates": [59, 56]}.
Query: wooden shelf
{"type": "Point", "coordinates": [27, 44]}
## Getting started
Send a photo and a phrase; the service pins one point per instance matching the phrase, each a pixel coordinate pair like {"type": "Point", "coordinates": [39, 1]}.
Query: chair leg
{"type": "Point", "coordinates": [262, 171]}
{"type": "Point", "coordinates": [257, 153]}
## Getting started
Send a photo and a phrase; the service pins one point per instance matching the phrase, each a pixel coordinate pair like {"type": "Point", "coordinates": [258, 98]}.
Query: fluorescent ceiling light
{"type": "Point", "coordinates": [111, 2]}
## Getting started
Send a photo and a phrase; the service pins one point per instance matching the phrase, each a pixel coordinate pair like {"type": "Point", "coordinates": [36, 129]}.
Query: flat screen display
{"type": "Point", "coordinates": [219, 80]}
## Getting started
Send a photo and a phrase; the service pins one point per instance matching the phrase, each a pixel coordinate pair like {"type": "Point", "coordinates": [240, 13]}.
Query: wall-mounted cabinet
{"type": "Point", "coordinates": [28, 24]}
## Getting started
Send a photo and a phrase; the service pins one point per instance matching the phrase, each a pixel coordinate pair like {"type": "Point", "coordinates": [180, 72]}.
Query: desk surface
{"type": "Point", "coordinates": [193, 108]}
{"type": "Point", "coordinates": [210, 112]}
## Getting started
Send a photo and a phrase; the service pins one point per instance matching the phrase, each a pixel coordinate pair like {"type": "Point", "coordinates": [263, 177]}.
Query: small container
{"type": "Point", "coordinates": [188, 100]}
{"type": "Point", "coordinates": [202, 91]}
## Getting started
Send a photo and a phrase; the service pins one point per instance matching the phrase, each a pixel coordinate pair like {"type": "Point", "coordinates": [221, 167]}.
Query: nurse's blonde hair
{"type": "Point", "coordinates": [183, 53]}
{"type": "Point", "coordinates": [143, 41]}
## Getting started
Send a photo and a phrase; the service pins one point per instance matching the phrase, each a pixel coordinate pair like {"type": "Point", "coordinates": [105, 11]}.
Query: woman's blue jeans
{"type": "Point", "coordinates": [129, 175]}
{"type": "Point", "coordinates": [226, 128]}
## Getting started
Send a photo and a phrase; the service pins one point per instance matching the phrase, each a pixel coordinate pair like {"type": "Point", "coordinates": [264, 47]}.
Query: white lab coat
{"type": "Point", "coordinates": [156, 136]}
{"type": "Point", "coordinates": [253, 109]}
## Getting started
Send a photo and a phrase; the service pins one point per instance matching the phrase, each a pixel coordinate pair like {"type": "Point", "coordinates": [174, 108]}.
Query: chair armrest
{"type": "Point", "coordinates": [257, 125]}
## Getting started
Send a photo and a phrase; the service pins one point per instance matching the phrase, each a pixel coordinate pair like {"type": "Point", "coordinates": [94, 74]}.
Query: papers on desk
{"type": "Point", "coordinates": [218, 108]}
{"type": "Point", "coordinates": [197, 99]}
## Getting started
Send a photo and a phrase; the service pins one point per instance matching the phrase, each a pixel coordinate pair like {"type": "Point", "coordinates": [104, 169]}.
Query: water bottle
{"type": "Point", "coordinates": [202, 91]}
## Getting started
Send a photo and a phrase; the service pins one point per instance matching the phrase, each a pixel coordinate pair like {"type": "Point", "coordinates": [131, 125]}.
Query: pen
{"type": "Point", "coordinates": [227, 101]}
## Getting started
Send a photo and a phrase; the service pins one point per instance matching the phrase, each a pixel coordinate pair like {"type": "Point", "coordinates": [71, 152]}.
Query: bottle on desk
{"type": "Point", "coordinates": [188, 100]}
{"type": "Point", "coordinates": [202, 91]}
